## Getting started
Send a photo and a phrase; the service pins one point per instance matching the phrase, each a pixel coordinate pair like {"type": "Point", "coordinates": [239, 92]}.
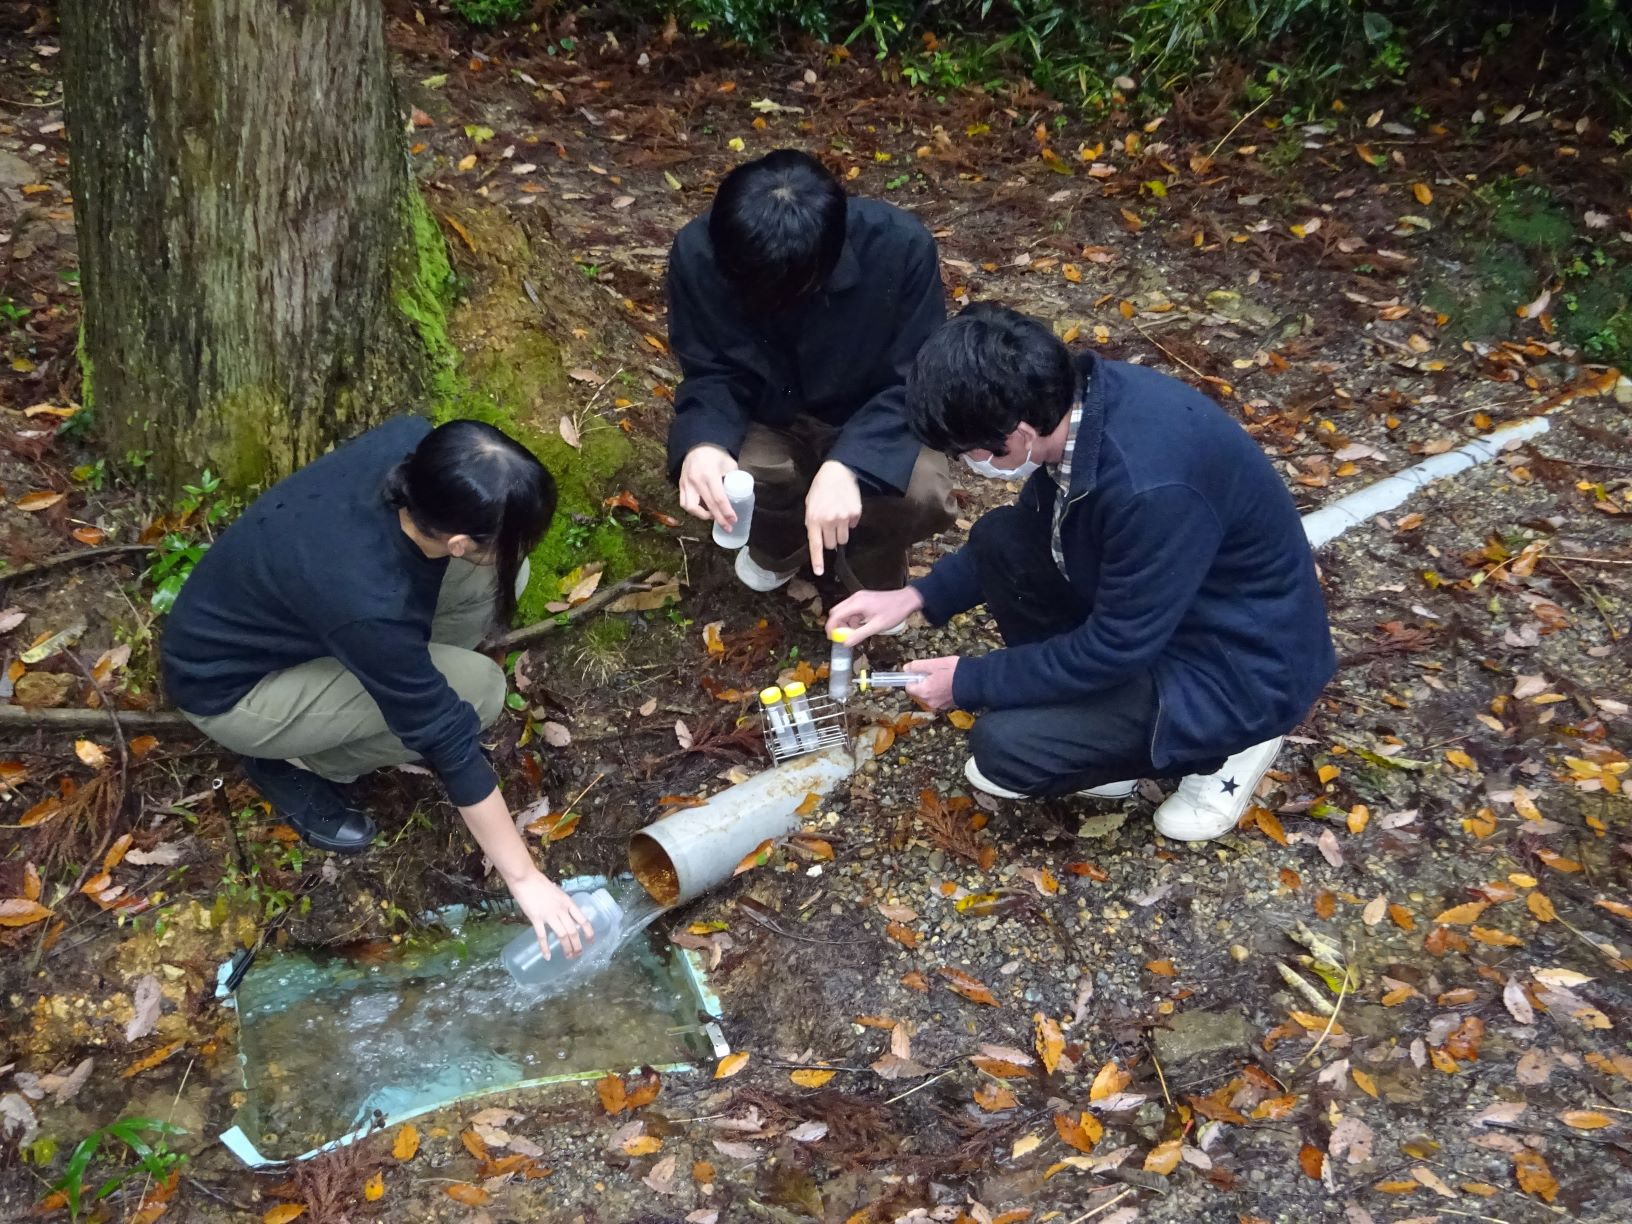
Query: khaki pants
{"type": "Point", "coordinates": [320, 712]}
{"type": "Point", "coordinates": [783, 462]}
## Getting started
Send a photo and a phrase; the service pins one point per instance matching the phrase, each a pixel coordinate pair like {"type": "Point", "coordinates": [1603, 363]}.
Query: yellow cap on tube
{"type": "Point", "coordinates": [792, 689]}
{"type": "Point", "coordinates": [770, 696]}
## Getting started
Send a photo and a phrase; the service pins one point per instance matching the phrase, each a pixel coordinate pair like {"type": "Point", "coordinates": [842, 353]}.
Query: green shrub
{"type": "Point", "coordinates": [1078, 48]}
{"type": "Point", "coordinates": [491, 12]}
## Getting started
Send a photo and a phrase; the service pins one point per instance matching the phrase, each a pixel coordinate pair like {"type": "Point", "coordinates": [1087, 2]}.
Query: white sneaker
{"type": "Point", "coordinates": [758, 578]}
{"type": "Point", "coordinates": [1207, 805]}
{"type": "Point", "coordinates": [1111, 790]}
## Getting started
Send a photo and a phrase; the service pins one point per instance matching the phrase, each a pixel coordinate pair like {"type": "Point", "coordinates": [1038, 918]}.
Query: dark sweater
{"type": "Point", "coordinates": [841, 356]}
{"type": "Point", "coordinates": [1184, 542]}
{"type": "Point", "coordinates": [319, 566]}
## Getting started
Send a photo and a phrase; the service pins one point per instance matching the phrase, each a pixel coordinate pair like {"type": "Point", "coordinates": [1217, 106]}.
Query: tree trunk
{"type": "Point", "coordinates": [246, 229]}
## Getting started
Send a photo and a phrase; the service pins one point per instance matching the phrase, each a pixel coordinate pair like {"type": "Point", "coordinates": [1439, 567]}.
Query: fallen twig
{"type": "Point", "coordinates": [1589, 597]}
{"type": "Point", "coordinates": [777, 929]}
{"type": "Point", "coordinates": [1088, 1215]}
{"type": "Point", "coordinates": [597, 601]}
{"type": "Point", "coordinates": [85, 554]}
{"type": "Point", "coordinates": [904, 1095]}
{"type": "Point", "coordinates": [1221, 142]}
{"type": "Point", "coordinates": [1331, 1020]}
{"type": "Point", "coordinates": [70, 718]}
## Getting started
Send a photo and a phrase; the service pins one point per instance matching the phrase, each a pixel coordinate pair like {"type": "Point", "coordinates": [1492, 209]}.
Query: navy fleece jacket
{"type": "Point", "coordinates": [319, 566]}
{"type": "Point", "coordinates": [1184, 542]}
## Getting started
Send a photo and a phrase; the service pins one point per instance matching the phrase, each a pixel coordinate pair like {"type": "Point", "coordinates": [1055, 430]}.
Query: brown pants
{"type": "Point", "coordinates": [783, 462]}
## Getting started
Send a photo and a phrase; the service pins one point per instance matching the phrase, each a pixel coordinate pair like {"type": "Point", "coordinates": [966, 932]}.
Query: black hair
{"type": "Point", "coordinates": [984, 372]}
{"type": "Point", "coordinates": [468, 478]}
{"type": "Point", "coordinates": [777, 225]}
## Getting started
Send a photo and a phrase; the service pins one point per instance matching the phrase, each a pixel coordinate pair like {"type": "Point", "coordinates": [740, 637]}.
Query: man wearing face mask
{"type": "Point", "coordinates": [1157, 599]}
{"type": "Point", "coordinates": [795, 313]}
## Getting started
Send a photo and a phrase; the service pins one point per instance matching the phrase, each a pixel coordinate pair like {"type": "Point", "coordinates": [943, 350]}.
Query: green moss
{"type": "Point", "coordinates": [516, 380]}
{"type": "Point", "coordinates": [1527, 215]}
{"type": "Point", "coordinates": [81, 352]}
{"type": "Point", "coordinates": [1480, 304]}
{"type": "Point", "coordinates": [424, 293]}
{"type": "Point", "coordinates": [607, 633]}
{"type": "Point", "coordinates": [257, 428]}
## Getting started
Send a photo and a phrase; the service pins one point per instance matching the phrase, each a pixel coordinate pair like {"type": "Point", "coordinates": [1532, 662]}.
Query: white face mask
{"type": "Point", "coordinates": [985, 467]}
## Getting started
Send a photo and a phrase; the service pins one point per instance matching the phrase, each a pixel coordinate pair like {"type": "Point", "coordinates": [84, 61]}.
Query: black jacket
{"type": "Point", "coordinates": [319, 567]}
{"type": "Point", "coordinates": [842, 356]}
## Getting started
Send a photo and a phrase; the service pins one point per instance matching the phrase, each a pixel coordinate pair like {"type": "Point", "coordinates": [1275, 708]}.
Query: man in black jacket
{"type": "Point", "coordinates": [795, 313]}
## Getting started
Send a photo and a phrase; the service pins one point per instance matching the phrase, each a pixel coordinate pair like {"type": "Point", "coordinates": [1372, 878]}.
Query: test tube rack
{"type": "Point", "coordinates": [829, 728]}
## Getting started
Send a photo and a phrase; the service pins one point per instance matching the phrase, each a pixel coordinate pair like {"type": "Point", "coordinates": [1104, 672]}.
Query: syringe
{"type": "Point", "coordinates": [886, 679]}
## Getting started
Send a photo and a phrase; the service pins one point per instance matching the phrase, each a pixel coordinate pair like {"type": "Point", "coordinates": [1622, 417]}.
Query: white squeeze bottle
{"type": "Point", "coordinates": [739, 491]}
{"type": "Point", "coordinates": [525, 960]}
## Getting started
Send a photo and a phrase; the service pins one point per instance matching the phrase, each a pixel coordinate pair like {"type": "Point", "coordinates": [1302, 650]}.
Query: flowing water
{"type": "Point", "coordinates": [330, 1044]}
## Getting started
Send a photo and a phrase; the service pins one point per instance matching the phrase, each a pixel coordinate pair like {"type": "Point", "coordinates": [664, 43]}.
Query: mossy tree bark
{"type": "Point", "coordinates": [247, 229]}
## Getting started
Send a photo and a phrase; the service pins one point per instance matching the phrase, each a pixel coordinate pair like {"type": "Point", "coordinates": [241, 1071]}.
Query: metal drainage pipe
{"type": "Point", "coordinates": [685, 854]}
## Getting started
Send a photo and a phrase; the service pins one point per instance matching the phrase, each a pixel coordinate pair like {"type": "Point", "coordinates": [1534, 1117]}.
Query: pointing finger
{"type": "Point", "coordinates": [816, 557]}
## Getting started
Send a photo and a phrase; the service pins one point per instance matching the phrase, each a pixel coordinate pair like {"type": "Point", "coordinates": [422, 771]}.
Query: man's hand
{"type": "Point", "coordinates": [832, 508]}
{"type": "Point", "coordinates": [702, 485]}
{"type": "Point", "coordinates": [868, 612]}
{"type": "Point", "coordinates": [935, 689]}
{"type": "Point", "coordinates": [544, 904]}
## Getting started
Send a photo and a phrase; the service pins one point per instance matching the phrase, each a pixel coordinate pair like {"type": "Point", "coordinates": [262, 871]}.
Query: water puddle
{"type": "Point", "coordinates": [330, 1045]}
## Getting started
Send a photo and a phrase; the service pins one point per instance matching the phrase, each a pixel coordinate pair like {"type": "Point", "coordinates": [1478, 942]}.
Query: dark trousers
{"type": "Point", "coordinates": [1052, 750]}
{"type": "Point", "coordinates": [783, 462]}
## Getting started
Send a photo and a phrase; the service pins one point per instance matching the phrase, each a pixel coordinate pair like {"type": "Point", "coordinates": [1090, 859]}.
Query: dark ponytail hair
{"type": "Point", "coordinates": [468, 478]}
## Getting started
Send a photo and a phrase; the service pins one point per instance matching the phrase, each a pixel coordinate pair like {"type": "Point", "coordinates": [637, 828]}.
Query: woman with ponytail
{"type": "Point", "coordinates": [332, 631]}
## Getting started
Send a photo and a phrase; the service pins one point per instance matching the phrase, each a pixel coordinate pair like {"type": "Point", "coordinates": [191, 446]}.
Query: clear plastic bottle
{"type": "Point", "coordinates": [782, 732]}
{"type": "Point", "coordinates": [739, 491]}
{"type": "Point", "coordinates": [525, 960]}
{"type": "Point", "coordinates": [804, 723]}
{"type": "Point", "coordinates": [839, 665]}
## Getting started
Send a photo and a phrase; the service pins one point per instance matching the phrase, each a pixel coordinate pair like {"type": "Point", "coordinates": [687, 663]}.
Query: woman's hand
{"type": "Point", "coordinates": [548, 908]}
{"type": "Point", "coordinates": [702, 484]}
{"type": "Point", "coordinates": [935, 689]}
{"type": "Point", "coordinates": [868, 612]}
{"type": "Point", "coordinates": [832, 508]}
{"type": "Point", "coordinates": [539, 899]}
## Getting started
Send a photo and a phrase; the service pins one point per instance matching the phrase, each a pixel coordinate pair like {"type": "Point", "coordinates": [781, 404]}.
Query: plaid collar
{"type": "Point", "coordinates": [1061, 471]}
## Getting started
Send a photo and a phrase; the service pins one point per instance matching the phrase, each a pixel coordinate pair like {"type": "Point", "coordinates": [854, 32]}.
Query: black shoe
{"type": "Point", "coordinates": [313, 806]}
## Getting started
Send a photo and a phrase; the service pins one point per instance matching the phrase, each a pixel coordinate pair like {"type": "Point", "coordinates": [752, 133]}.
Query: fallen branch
{"type": "Point", "coordinates": [531, 633]}
{"type": "Point", "coordinates": [67, 719]}
{"type": "Point", "coordinates": [61, 719]}
{"type": "Point", "coordinates": [84, 554]}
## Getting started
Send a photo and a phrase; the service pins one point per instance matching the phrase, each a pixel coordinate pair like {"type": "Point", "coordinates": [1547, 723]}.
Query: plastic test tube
{"type": "Point", "coordinates": [787, 741]}
{"type": "Point", "coordinates": [838, 666]}
{"type": "Point", "coordinates": [739, 491]}
{"type": "Point", "coordinates": [886, 679]}
{"type": "Point", "coordinates": [804, 725]}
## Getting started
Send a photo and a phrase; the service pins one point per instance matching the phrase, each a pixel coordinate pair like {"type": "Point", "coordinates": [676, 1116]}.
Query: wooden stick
{"type": "Point", "coordinates": [60, 719]}
{"type": "Point", "coordinates": [1103, 1207]}
{"type": "Point", "coordinates": [597, 601]}
{"type": "Point", "coordinates": [87, 554]}
{"type": "Point", "coordinates": [70, 718]}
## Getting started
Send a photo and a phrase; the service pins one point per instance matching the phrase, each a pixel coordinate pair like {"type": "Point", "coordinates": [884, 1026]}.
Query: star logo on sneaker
{"type": "Point", "coordinates": [1229, 785]}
